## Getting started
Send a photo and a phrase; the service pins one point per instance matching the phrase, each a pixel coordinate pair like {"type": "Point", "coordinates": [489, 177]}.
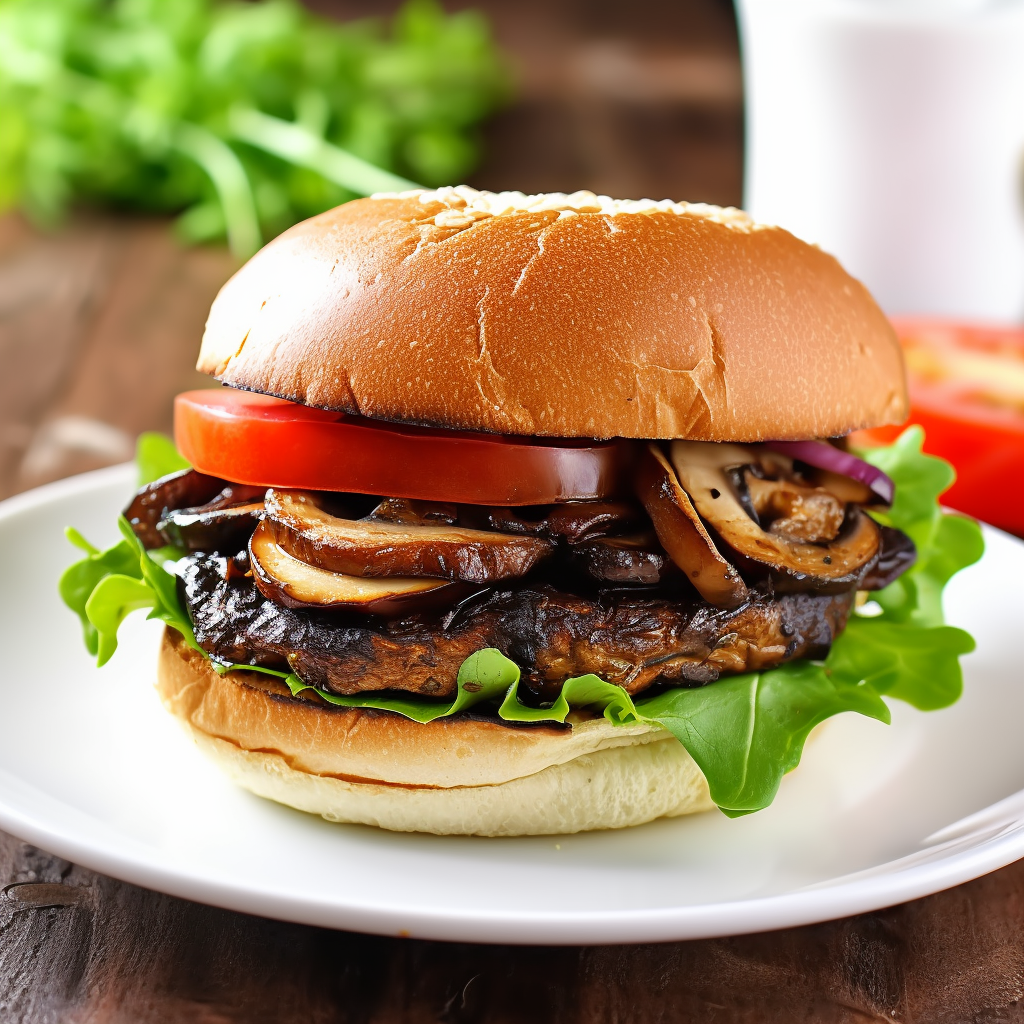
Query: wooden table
{"type": "Point", "coordinates": [99, 326]}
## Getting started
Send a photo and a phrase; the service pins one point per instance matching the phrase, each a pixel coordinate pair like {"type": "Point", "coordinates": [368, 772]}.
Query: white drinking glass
{"type": "Point", "coordinates": [891, 133]}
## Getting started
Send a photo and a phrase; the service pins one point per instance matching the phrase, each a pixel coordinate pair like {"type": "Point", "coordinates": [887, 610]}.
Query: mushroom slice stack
{"type": "Point", "coordinates": [292, 582]}
{"type": "Point", "coordinates": [682, 534]}
{"type": "Point", "coordinates": [197, 512]}
{"type": "Point", "coordinates": [152, 503]}
{"type": "Point", "coordinates": [809, 544]}
{"type": "Point", "coordinates": [369, 547]}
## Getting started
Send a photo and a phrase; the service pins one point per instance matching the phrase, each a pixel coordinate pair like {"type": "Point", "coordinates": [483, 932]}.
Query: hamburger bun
{"type": "Point", "coordinates": [454, 776]}
{"type": "Point", "coordinates": [565, 316]}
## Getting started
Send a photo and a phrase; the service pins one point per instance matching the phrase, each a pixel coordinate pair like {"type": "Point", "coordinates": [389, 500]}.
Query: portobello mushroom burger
{"type": "Point", "coordinates": [534, 514]}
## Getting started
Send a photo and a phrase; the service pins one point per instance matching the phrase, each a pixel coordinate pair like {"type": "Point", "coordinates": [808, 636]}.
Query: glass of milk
{"type": "Point", "coordinates": [891, 133]}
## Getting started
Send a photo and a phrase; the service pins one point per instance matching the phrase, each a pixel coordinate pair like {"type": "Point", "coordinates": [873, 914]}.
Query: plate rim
{"type": "Point", "coordinates": [828, 900]}
{"type": "Point", "coordinates": [824, 902]}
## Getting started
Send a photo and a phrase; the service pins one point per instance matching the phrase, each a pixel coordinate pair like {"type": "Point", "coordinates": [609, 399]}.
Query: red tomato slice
{"type": "Point", "coordinates": [967, 391]}
{"type": "Point", "coordinates": [254, 439]}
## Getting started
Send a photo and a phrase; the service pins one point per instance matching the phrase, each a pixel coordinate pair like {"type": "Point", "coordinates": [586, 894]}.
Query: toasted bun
{"type": "Point", "coordinates": [463, 775]}
{"type": "Point", "coordinates": [572, 316]}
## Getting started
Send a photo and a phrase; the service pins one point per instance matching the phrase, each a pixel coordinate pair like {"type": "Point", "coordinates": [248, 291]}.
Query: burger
{"type": "Point", "coordinates": [534, 514]}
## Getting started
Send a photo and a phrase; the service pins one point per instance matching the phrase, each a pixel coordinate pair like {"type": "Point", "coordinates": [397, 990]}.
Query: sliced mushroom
{"type": "Point", "coordinates": [415, 513]}
{"type": "Point", "coordinates": [368, 548]}
{"type": "Point", "coordinates": [844, 488]}
{"type": "Point", "coordinates": [898, 553]}
{"type": "Point", "coordinates": [293, 583]}
{"type": "Point", "coordinates": [231, 495]}
{"type": "Point", "coordinates": [793, 510]}
{"type": "Point", "coordinates": [703, 472]}
{"type": "Point", "coordinates": [573, 521]}
{"type": "Point", "coordinates": [635, 559]}
{"type": "Point", "coordinates": [222, 530]}
{"type": "Point", "coordinates": [683, 535]}
{"type": "Point", "coordinates": [177, 490]}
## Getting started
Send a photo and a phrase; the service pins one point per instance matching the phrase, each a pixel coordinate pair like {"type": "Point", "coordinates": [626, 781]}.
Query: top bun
{"type": "Point", "coordinates": [566, 316]}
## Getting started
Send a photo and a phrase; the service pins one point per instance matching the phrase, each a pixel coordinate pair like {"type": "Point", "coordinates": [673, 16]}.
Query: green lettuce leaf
{"type": "Point", "coordinates": [744, 732]}
{"type": "Point", "coordinates": [79, 582]}
{"type": "Point", "coordinates": [920, 665]}
{"type": "Point", "coordinates": [920, 479]}
{"type": "Point", "coordinates": [487, 675]}
{"type": "Point", "coordinates": [156, 456]}
{"type": "Point", "coordinates": [588, 691]}
{"type": "Point", "coordinates": [105, 587]}
{"type": "Point", "coordinates": [945, 543]}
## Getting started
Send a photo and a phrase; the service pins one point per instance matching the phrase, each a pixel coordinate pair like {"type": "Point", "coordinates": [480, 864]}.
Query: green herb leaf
{"type": "Point", "coordinates": [106, 586]}
{"type": "Point", "coordinates": [109, 605]}
{"type": "Point", "coordinates": [79, 581]}
{"type": "Point", "coordinates": [242, 117]}
{"type": "Point", "coordinates": [917, 664]}
{"type": "Point", "coordinates": [156, 456]}
{"type": "Point", "coordinates": [746, 732]}
{"type": "Point", "coordinates": [80, 542]}
{"type": "Point", "coordinates": [485, 675]}
{"type": "Point", "coordinates": [945, 543]}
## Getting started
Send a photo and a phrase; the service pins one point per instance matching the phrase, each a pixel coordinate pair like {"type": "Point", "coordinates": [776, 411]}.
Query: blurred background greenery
{"type": "Point", "coordinates": [241, 117]}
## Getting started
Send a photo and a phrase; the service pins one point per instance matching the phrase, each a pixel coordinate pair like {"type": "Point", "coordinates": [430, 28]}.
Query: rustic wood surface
{"type": "Point", "coordinates": [99, 325]}
{"type": "Point", "coordinates": [79, 948]}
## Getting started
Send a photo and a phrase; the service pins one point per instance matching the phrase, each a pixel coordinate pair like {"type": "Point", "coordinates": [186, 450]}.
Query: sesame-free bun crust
{"type": "Point", "coordinates": [458, 776]}
{"type": "Point", "coordinates": [572, 316]}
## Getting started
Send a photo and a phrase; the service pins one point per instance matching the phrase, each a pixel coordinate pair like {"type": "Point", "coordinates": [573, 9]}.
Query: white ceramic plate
{"type": "Point", "coordinates": [93, 769]}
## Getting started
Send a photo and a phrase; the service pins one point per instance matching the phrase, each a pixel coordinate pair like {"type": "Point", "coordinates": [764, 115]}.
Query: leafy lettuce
{"type": "Point", "coordinates": [105, 587]}
{"type": "Point", "coordinates": [156, 456]}
{"type": "Point", "coordinates": [744, 732]}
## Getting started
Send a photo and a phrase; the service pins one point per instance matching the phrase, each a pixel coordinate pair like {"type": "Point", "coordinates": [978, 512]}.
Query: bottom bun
{"type": "Point", "coordinates": [457, 775]}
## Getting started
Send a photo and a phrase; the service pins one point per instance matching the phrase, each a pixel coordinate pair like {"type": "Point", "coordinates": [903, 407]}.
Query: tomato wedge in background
{"type": "Point", "coordinates": [255, 439]}
{"type": "Point", "coordinates": [967, 391]}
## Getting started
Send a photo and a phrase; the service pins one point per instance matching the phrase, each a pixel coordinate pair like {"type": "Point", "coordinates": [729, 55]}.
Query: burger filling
{"type": "Point", "coordinates": [358, 593]}
{"type": "Point", "coordinates": [703, 588]}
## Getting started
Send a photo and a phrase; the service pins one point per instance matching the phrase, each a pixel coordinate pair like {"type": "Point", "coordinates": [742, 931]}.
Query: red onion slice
{"type": "Point", "coordinates": [822, 455]}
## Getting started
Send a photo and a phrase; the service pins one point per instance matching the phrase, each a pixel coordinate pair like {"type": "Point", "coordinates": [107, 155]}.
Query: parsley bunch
{"type": "Point", "coordinates": [245, 116]}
